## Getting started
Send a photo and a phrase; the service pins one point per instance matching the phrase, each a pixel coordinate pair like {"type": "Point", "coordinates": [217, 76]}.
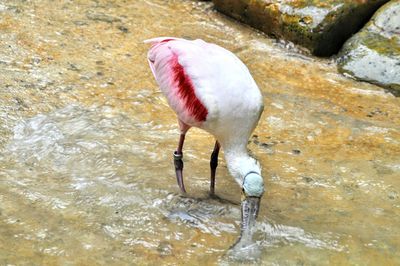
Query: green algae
{"type": "Point", "coordinates": [382, 45]}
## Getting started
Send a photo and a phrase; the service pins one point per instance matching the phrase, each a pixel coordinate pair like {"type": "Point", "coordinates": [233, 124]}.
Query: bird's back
{"type": "Point", "coordinates": [206, 85]}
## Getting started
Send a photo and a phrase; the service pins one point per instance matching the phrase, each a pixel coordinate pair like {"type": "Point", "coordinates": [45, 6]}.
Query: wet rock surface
{"type": "Point", "coordinates": [373, 54]}
{"type": "Point", "coordinates": [320, 26]}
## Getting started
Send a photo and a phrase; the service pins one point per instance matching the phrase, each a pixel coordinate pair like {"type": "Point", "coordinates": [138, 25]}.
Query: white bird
{"type": "Point", "coordinates": [210, 88]}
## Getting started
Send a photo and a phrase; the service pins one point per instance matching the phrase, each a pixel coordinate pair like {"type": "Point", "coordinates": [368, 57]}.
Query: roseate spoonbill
{"type": "Point", "coordinates": [210, 88]}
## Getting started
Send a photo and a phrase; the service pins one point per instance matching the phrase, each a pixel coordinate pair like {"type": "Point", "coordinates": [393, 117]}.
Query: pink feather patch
{"type": "Point", "coordinates": [186, 91]}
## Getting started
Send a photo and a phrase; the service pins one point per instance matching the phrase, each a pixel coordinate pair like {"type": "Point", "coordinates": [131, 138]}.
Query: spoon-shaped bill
{"type": "Point", "coordinates": [245, 248]}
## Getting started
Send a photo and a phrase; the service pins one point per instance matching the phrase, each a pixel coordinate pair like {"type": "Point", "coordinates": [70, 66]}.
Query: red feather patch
{"type": "Point", "coordinates": [186, 91]}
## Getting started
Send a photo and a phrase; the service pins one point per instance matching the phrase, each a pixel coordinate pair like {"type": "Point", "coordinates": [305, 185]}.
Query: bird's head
{"type": "Point", "coordinates": [253, 185]}
{"type": "Point", "coordinates": [253, 189]}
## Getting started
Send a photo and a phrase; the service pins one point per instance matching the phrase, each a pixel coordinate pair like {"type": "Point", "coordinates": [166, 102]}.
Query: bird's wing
{"type": "Point", "coordinates": [170, 60]}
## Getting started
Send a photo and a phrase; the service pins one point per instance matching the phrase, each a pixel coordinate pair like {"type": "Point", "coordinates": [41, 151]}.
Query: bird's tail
{"type": "Point", "coordinates": [155, 42]}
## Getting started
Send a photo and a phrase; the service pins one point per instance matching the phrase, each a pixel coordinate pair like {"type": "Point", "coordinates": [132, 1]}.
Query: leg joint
{"type": "Point", "coordinates": [177, 156]}
{"type": "Point", "coordinates": [178, 160]}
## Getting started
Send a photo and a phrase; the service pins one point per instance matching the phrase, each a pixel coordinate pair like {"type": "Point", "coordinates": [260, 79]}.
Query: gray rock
{"type": "Point", "coordinates": [373, 54]}
{"type": "Point", "coordinates": [320, 26]}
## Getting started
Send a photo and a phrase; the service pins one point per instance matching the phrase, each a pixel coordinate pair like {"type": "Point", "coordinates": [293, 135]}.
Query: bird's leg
{"type": "Point", "coordinates": [213, 166]}
{"type": "Point", "coordinates": [178, 155]}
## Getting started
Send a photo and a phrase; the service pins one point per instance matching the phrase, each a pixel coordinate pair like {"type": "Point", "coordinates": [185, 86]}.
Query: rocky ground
{"type": "Point", "coordinates": [320, 26]}
{"type": "Point", "coordinates": [373, 54]}
{"type": "Point", "coordinates": [323, 26]}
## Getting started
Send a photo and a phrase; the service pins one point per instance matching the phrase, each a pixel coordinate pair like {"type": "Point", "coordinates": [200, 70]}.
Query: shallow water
{"type": "Point", "coordinates": [86, 139]}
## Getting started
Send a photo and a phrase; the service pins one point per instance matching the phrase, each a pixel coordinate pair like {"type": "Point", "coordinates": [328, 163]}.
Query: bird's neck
{"type": "Point", "coordinates": [240, 163]}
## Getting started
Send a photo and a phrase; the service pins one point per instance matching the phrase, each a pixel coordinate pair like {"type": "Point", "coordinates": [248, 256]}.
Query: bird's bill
{"type": "Point", "coordinates": [250, 207]}
{"type": "Point", "coordinates": [245, 248]}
